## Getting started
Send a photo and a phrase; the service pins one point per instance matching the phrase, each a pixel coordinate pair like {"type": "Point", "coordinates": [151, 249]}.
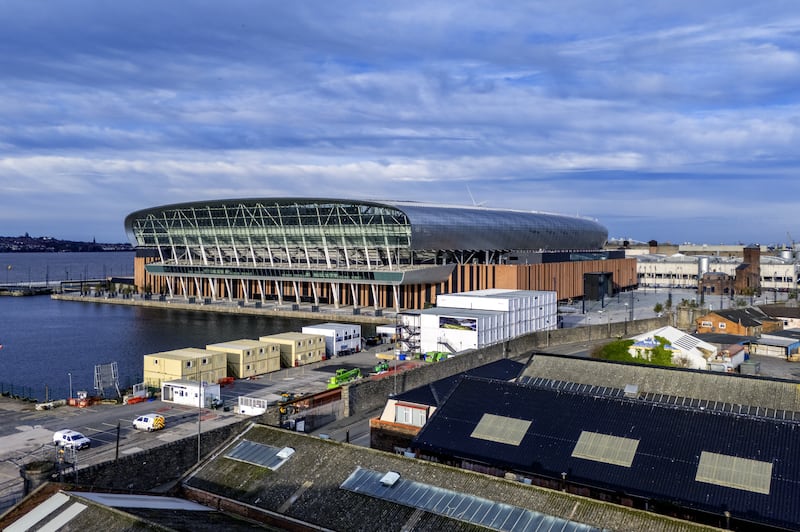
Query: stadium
{"type": "Point", "coordinates": [359, 253]}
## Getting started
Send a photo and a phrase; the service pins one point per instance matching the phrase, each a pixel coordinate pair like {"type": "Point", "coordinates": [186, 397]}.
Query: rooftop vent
{"type": "Point", "coordinates": [632, 391]}
{"type": "Point", "coordinates": [390, 478]}
{"type": "Point", "coordinates": [285, 453]}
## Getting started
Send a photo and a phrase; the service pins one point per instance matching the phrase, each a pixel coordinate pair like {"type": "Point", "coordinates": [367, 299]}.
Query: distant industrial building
{"type": "Point", "coordinates": [380, 254]}
{"type": "Point", "coordinates": [746, 273]}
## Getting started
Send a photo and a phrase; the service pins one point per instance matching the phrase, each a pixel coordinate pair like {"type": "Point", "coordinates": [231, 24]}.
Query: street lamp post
{"type": "Point", "coordinates": [70, 385]}
{"type": "Point", "coordinates": [199, 410]}
{"type": "Point", "coordinates": [626, 319]}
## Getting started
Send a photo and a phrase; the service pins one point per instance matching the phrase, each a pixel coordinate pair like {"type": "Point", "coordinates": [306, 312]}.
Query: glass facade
{"type": "Point", "coordinates": [327, 250]}
{"type": "Point", "coordinates": [348, 235]}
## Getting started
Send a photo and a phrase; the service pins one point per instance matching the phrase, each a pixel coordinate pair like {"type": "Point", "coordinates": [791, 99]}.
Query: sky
{"type": "Point", "coordinates": [673, 121]}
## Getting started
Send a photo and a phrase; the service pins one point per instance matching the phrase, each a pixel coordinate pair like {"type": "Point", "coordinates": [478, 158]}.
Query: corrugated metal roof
{"type": "Point", "coordinates": [671, 441]}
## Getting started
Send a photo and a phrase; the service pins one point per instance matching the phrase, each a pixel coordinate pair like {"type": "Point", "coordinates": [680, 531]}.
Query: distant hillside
{"type": "Point", "coordinates": [26, 243]}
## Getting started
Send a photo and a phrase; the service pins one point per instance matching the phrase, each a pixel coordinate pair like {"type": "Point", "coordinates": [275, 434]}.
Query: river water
{"type": "Point", "coordinates": [46, 341]}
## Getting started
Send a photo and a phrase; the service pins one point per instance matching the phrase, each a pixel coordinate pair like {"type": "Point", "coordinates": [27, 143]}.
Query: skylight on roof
{"type": "Point", "coordinates": [464, 507]}
{"type": "Point", "coordinates": [260, 454]}
{"type": "Point", "coordinates": [501, 429]}
{"type": "Point", "coordinates": [605, 448]}
{"type": "Point", "coordinates": [734, 472]}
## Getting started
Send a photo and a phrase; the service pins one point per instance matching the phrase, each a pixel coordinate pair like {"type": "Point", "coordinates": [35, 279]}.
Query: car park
{"type": "Point", "coordinates": [149, 422]}
{"type": "Point", "coordinates": [71, 439]}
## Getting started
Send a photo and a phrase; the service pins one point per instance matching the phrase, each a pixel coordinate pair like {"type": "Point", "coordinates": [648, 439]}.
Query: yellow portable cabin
{"type": "Point", "coordinates": [188, 363]}
{"type": "Point", "coordinates": [298, 349]}
{"type": "Point", "coordinates": [248, 358]}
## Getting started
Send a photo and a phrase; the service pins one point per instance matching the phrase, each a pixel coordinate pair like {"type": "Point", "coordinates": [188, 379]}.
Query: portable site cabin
{"type": "Point", "coordinates": [187, 392]}
{"type": "Point", "coordinates": [255, 405]}
{"type": "Point", "coordinates": [340, 338]}
{"type": "Point", "coordinates": [248, 358]}
{"type": "Point", "coordinates": [298, 349]}
{"type": "Point", "coordinates": [188, 363]}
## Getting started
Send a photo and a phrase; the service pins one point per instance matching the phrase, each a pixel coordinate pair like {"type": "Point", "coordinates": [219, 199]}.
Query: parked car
{"type": "Point", "coordinates": [71, 439]}
{"type": "Point", "coordinates": [149, 422]}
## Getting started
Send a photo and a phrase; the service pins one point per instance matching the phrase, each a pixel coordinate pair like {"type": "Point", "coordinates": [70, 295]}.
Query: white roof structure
{"type": "Point", "coordinates": [694, 350]}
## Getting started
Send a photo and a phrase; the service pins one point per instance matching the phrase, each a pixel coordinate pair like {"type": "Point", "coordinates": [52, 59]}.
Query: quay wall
{"type": "Point", "coordinates": [228, 308]}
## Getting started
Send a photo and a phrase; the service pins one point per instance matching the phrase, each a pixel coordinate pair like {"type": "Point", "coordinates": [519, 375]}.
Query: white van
{"type": "Point", "coordinates": [149, 422]}
{"type": "Point", "coordinates": [71, 439]}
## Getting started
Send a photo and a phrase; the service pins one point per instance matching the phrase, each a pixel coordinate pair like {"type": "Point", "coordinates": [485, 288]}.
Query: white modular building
{"type": "Point", "coordinates": [529, 310]}
{"type": "Point", "coordinates": [340, 338]}
{"type": "Point", "coordinates": [255, 405]}
{"type": "Point", "coordinates": [188, 392]}
{"type": "Point", "coordinates": [472, 320]}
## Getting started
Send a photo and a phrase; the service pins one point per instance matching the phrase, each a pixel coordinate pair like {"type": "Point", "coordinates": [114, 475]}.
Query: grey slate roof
{"type": "Point", "coordinates": [780, 311]}
{"type": "Point", "coordinates": [732, 388]}
{"type": "Point", "coordinates": [749, 317]}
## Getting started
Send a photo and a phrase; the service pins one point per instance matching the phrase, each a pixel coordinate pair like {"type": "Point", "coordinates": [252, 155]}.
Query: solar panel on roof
{"type": "Point", "coordinates": [456, 505]}
{"type": "Point", "coordinates": [260, 454]}
{"type": "Point", "coordinates": [501, 429]}
{"type": "Point", "coordinates": [734, 472]}
{"type": "Point", "coordinates": [605, 448]}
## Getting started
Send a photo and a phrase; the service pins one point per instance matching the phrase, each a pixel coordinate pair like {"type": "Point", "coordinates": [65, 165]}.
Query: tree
{"type": "Point", "coordinates": [658, 309]}
{"type": "Point", "coordinates": [660, 355]}
{"type": "Point", "coordinates": [618, 352]}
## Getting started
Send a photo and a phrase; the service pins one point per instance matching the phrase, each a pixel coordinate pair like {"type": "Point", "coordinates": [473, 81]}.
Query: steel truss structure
{"type": "Point", "coordinates": [339, 243]}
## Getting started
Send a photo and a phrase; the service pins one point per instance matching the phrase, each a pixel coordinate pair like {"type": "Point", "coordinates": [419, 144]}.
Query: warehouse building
{"type": "Point", "coordinates": [708, 461]}
{"type": "Point", "coordinates": [340, 252]}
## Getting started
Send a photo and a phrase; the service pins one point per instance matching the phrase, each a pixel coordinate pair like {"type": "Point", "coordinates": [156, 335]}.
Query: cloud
{"type": "Point", "coordinates": [655, 119]}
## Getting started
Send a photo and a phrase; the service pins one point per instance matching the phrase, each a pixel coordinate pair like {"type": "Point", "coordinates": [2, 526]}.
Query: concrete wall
{"type": "Point", "coordinates": [155, 467]}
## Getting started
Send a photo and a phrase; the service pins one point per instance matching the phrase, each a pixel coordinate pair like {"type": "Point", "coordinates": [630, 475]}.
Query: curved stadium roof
{"type": "Point", "coordinates": [416, 226]}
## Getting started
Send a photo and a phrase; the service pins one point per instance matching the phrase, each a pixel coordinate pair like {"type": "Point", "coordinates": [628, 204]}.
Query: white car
{"type": "Point", "coordinates": [71, 439]}
{"type": "Point", "coordinates": [149, 422]}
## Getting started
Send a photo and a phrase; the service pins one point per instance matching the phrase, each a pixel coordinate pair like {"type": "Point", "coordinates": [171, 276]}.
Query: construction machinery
{"type": "Point", "coordinates": [381, 367]}
{"type": "Point", "coordinates": [435, 356]}
{"type": "Point", "coordinates": [343, 376]}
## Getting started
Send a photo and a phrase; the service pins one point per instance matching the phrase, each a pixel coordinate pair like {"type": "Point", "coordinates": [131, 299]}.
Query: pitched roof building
{"type": "Point", "coordinates": [711, 463]}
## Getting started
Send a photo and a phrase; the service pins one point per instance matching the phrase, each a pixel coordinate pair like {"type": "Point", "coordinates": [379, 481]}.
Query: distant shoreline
{"type": "Point", "coordinates": [28, 244]}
